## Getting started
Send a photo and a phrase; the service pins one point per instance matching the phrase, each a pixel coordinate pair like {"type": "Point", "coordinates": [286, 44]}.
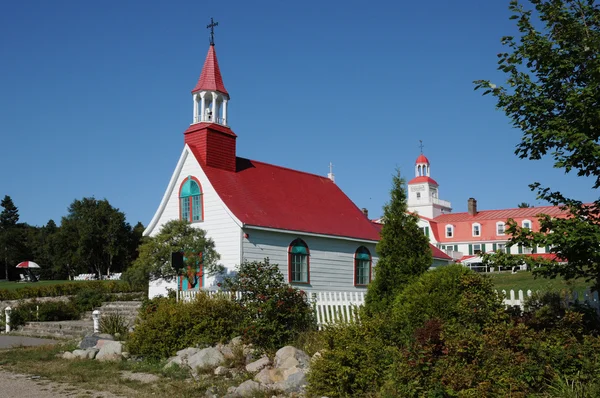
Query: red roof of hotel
{"type": "Point", "coordinates": [210, 78]}
{"type": "Point", "coordinates": [462, 223]}
{"type": "Point", "coordinates": [421, 179]}
{"type": "Point", "coordinates": [264, 195]}
{"type": "Point", "coordinates": [422, 159]}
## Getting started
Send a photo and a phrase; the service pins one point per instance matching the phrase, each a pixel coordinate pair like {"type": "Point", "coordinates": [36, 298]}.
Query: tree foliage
{"type": "Point", "coordinates": [154, 259]}
{"type": "Point", "coordinates": [552, 94]}
{"type": "Point", "coordinates": [403, 251]}
{"type": "Point", "coordinates": [9, 233]}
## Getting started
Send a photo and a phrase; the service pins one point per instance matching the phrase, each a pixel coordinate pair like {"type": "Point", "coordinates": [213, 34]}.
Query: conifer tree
{"type": "Point", "coordinates": [403, 251]}
{"type": "Point", "coordinates": [8, 220]}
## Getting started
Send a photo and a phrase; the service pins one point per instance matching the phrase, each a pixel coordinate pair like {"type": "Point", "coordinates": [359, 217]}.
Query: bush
{"type": "Point", "coordinates": [114, 324]}
{"type": "Point", "coordinates": [43, 312]}
{"type": "Point", "coordinates": [87, 300]}
{"type": "Point", "coordinates": [65, 289]}
{"type": "Point", "coordinates": [167, 326]}
{"type": "Point", "coordinates": [353, 361]}
{"type": "Point", "coordinates": [276, 312]}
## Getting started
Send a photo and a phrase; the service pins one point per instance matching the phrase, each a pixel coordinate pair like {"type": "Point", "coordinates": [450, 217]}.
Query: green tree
{"type": "Point", "coordinates": [154, 260]}
{"type": "Point", "coordinates": [524, 205]}
{"type": "Point", "coordinates": [99, 235]}
{"type": "Point", "coordinates": [9, 217]}
{"type": "Point", "coordinates": [403, 251]}
{"type": "Point", "coordinates": [552, 94]}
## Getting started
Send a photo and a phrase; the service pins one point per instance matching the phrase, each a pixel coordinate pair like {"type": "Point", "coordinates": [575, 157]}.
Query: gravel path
{"type": "Point", "coordinates": [26, 386]}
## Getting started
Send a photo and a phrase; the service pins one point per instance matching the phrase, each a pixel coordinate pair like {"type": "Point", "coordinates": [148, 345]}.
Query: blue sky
{"type": "Point", "coordinates": [95, 96]}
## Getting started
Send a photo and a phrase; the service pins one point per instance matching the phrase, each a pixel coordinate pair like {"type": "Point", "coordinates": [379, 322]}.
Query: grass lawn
{"type": "Point", "coordinates": [524, 280]}
{"type": "Point", "coordinates": [19, 285]}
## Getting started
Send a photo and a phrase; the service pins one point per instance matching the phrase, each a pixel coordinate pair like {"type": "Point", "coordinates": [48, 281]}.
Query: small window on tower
{"type": "Point", "coordinates": [418, 195]}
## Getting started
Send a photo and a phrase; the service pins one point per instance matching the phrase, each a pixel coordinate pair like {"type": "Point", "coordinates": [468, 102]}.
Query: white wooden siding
{"type": "Point", "coordinates": [331, 260]}
{"type": "Point", "coordinates": [219, 223]}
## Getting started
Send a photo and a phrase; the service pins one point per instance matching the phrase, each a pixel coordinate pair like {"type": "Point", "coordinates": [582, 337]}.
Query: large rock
{"type": "Point", "coordinates": [68, 355]}
{"type": "Point", "coordinates": [258, 365]}
{"type": "Point", "coordinates": [294, 380]}
{"type": "Point", "coordinates": [91, 340]}
{"type": "Point", "coordinates": [248, 389]}
{"type": "Point", "coordinates": [206, 358]}
{"type": "Point", "coordinates": [110, 351]}
{"type": "Point", "coordinates": [90, 353]}
{"type": "Point", "coordinates": [289, 357]}
{"type": "Point", "coordinates": [269, 376]}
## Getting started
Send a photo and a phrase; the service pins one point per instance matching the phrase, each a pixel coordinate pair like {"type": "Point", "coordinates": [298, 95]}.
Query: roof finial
{"type": "Point", "coordinates": [421, 146]}
{"type": "Point", "coordinates": [330, 174]}
{"type": "Point", "coordinates": [211, 26]}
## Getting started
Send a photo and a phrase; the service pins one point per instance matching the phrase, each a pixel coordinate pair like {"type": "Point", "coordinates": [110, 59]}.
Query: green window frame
{"type": "Point", "coordinates": [190, 200]}
{"type": "Point", "coordinates": [362, 266]}
{"type": "Point", "coordinates": [298, 262]}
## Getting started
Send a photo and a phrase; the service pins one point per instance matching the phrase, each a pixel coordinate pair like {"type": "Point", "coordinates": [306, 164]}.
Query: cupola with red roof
{"type": "Point", "coordinates": [209, 134]}
{"type": "Point", "coordinates": [423, 191]}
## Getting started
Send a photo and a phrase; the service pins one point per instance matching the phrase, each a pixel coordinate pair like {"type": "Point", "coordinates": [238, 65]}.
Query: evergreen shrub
{"type": "Point", "coordinates": [277, 313]}
{"type": "Point", "coordinates": [43, 312]}
{"type": "Point", "coordinates": [166, 326]}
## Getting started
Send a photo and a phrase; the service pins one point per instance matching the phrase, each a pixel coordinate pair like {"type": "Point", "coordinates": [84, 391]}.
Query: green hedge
{"type": "Point", "coordinates": [65, 289]}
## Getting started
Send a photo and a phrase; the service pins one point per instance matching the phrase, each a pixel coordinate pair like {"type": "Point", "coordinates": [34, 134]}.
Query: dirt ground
{"type": "Point", "coordinates": [14, 385]}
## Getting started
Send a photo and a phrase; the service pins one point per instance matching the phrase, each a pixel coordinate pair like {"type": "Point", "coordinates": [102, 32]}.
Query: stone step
{"type": "Point", "coordinates": [41, 333]}
{"type": "Point", "coordinates": [64, 329]}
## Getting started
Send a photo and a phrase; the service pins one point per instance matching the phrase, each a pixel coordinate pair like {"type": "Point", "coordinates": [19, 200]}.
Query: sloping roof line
{"type": "Point", "coordinates": [210, 77]}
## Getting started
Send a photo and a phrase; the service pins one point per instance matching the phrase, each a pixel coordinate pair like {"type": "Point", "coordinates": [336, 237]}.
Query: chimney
{"type": "Point", "coordinates": [472, 206]}
{"type": "Point", "coordinates": [365, 212]}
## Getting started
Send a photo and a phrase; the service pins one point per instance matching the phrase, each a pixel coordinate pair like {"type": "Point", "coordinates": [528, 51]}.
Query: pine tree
{"type": "Point", "coordinates": [403, 251]}
{"type": "Point", "coordinates": [8, 220]}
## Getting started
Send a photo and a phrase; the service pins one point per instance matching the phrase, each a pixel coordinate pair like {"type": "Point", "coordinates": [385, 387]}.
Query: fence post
{"type": "Point", "coordinates": [7, 312]}
{"type": "Point", "coordinates": [96, 318]}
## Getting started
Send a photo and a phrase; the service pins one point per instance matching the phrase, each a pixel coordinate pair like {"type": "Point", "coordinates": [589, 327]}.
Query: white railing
{"type": "Point", "coordinates": [441, 202]}
{"type": "Point", "coordinates": [342, 307]}
{"type": "Point", "coordinates": [590, 298]}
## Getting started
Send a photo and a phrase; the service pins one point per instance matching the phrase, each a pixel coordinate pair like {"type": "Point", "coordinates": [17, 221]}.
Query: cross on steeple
{"type": "Point", "coordinates": [211, 26]}
{"type": "Point", "coordinates": [421, 145]}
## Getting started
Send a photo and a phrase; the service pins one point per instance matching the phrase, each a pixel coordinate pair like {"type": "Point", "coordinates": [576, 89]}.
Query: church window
{"type": "Point", "coordinates": [190, 200]}
{"type": "Point", "coordinates": [362, 266]}
{"type": "Point", "coordinates": [476, 229]}
{"type": "Point", "coordinates": [298, 260]}
{"type": "Point", "coordinates": [449, 231]}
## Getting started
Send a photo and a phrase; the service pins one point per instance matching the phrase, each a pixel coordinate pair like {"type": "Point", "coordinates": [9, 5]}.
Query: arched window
{"type": "Point", "coordinates": [362, 266]}
{"type": "Point", "coordinates": [526, 224]}
{"type": "Point", "coordinates": [190, 200]}
{"type": "Point", "coordinates": [298, 263]}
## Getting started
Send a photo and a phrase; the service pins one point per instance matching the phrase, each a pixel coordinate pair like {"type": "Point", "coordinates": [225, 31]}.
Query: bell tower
{"type": "Point", "coordinates": [423, 194]}
{"type": "Point", "coordinates": [209, 132]}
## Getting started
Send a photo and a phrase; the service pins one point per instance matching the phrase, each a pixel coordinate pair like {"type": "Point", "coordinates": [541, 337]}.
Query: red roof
{"type": "Point", "coordinates": [422, 159]}
{"type": "Point", "coordinates": [210, 78]}
{"type": "Point", "coordinates": [463, 222]}
{"type": "Point", "coordinates": [421, 179]}
{"type": "Point", "coordinates": [263, 195]}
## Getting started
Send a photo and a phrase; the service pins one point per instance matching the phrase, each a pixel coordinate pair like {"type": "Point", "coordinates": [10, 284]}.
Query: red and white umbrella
{"type": "Point", "coordinates": [27, 265]}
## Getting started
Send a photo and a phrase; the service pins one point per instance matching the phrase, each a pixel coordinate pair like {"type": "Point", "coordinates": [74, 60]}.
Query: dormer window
{"type": "Point", "coordinates": [449, 231]}
{"type": "Point", "coordinates": [476, 228]}
{"type": "Point", "coordinates": [526, 224]}
{"type": "Point", "coordinates": [500, 227]}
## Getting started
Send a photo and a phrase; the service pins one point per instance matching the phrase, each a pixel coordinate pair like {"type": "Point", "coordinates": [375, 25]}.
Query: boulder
{"type": "Point", "coordinates": [91, 353]}
{"type": "Point", "coordinates": [110, 351]}
{"type": "Point", "coordinates": [81, 354]}
{"type": "Point", "coordinates": [206, 358]}
{"type": "Point", "coordinates": [187, 352]}
{"type": "Point", "coordinates": [289, 357]}
{"type": "Point", "coordinates": [248, 388]}
{"type": "Point", "coordinates": [91, 340]}
{"type": "Point", "coordinates": [294, 380]}
{"type": "Point", "coordinates": [68, 355]}
{"type": "Point", "coordinates": [221, 371]}
{"type": "Point", "coordinates": [269, 376]}
{"type": "Point", "coordinates": [236, 341]}
{"type": "Point", "coordinates": [226, 351]}
{"type": "Point", "coordinates": [258, 364]}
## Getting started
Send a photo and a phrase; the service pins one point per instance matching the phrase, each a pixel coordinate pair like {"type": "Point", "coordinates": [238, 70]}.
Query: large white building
{"type": "Point", "coordinates": [466, 234]}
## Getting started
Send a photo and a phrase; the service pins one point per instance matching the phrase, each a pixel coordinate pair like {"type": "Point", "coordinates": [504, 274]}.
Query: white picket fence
{"type": "Point", "coordinates": [336, 307]}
